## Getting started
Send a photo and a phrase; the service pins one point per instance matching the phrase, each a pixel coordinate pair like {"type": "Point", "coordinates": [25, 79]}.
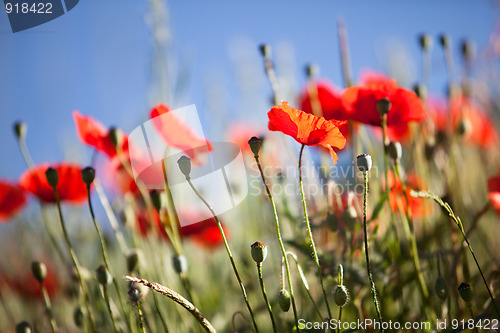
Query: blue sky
{"type": "Point", "coordinates": [98, 59]}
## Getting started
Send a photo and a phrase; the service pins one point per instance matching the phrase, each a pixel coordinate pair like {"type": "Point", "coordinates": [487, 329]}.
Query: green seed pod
{"type": "Point", "coordinates": [39, 270]}
{"type": "Point", "coordinates": [157, 199]}
{"type": "Point", "coordinates": [265, 50]}
{"type": "Point", "coordinates": [23, 327]}
{"type": "Point", "coordinates": [103, 276]}
{"type": "Point", "coordinates": [254, 144]}
{"type": "Point", "coordinates": [341, 295]}
{"type": "Point", "coordinates": [88, 175]}
{"type": "Point", "coordinates": [465, 292]}
{"type": "Point", "coordinates": [52, 177]}
{"type": "Point", "coordinates": [284, 300]}
{"type": "Point", "coordinates": [425, 41]}
{"type": "Point", "coordinates": [464, 127]}
{"type": "Point", "coordinates": [78, 317]}
{"type": "Point", "coordinates": [259, 251]}
{"type": "Point", "coordinates": [180, 264]}
{"type": "Point", "coordinates": [133, 258]}
{"type": "Point", "coordinates": [115, 135]}
{"type": "Point", "coordinates": [395, 150]}
{"type": "Point", "coordinates": [364, 162]}
{"type": "Point", "coordinates": [441, 288]}
{"type": "Point", "coordinates": [20, 129]}
{"type": "Point", "coordinates": [184, 163]}
{"type": "Point", "coordinates": [383, 106]}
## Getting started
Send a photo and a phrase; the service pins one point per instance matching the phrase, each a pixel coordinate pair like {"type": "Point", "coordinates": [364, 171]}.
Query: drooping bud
{"type": "Point", "coordinates": [465, 292]}
{"type": "Point", "coordinates": [383, 106]}
{"type": "Point", "coordinates": [157, 199]}
{"type": "Point", "coordinates": [134, 256]}
{"type": "Point", "coordinates": [265, 50]}
{"type": "Point", "coordinates": [284, 300]}
{"type": "Point", "coordinates": [259, 252]}
{"type": "Point", "coordinates": [254, 144]}
{"type": "Point", "coordinates": [184, 163]}
{"type": "Point", "coordinates": [468, 49]}
{"type": "Point", "coordinates": [421, 91]}
{"type": "Point", "coordinates": [23, 327]}
{"type": "Point", "coordinates": [180, 264]}
{"type": "Point", "coordinates": [464, 127]}
{"type": "Point", "coordinates": [39, 270]}
{"type": "Point", "coordinates": [20, 129]}
{"type": "Point", "coordinates": [444, 40]}
{"type": "Point", "coordinates": [103, 276]}
{"type": "Point", "coordinates": [78, 317]}
{"type": "Point", "coordinates": [312, 71]}
{"type": "Point", "coordinates": [341, 295]}
{"type": "Point", "coordinates": [115, 136]}
{"type": "Point", "coordinates": [425, 41]}
{"type": "Point", "coordinates": [395, 150]}
{"type": "Point", "coordinates": [441, 288]}
{"type": "Point", "coordinates": [52, 177]}
{"type": "Point", "coordinates": [88, 175]}
{"type": "Point", "coordinates": [364, 162]}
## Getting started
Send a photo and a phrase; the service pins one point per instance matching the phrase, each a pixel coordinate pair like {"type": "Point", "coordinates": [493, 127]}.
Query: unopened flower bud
{"type": "Point", "coordinates": [441, 288]}
{"type": "Point", "coordinates": [265, 50]}
{"type": "Point", "coordinates": [254, 144]}
{"type": "Point", "coordinates": [137, 291]}
{"type": "Point", "coordinates": [383, 106]}
{"type": "Point", "coordinates": [430, 147]}
{"type": "Point", "coordinates": [425, 41]}
{"type": "Point", "coordinates": [20, 129]}
{"type": "Point", "coordinates": [180, 264]}
{"type": "Point", "coordinates": [115, 136]}
{"type": "Point", "coordinates": [364, 162]}
{"type": "Point", "coordinates": [468, 49]}
{"type": "Point", "coordinates": [23, 327]}
{"type": "Point", "coordinates": [284, 300]}
{"type": "Point", "coordinates": [134, 256]}
{"type": "Point", "coordinates": [52, 177]}
{"type": "Point", "coordinates": [88, 175]}
{"type": "Point", "coordinates": [350, 217]}
{"type": "Point", "coordinates": [464, 127]}
{"type": "Point", "coordinates": [341, 295]}
{"type": "Point", "coordinates": [395, 150]}
{"type": "Point", "coordinates": [465, 292]}
{"type": "Point", "coordinates": [103, 276]}
{"type": "Point", "coordinates": [259, 251]}
{"type": "Point", "coordinates": [421, 91]}
{"type": "Point", "coordinates": [157, 199]}
{"type": "Point", "coordinates": [39, 270]}
{"type": "Point", "coordinates": [185, 165]}
{"type": "Point", "coordinates": [312, 71]}
{"type": "Point", "coordinates": [444, 40]}
{"type": "Point", "coordinates": [78, 317]}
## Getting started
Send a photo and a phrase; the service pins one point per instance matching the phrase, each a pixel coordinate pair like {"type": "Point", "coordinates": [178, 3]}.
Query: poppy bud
{"type": "Point", "coordinates": [444, 40]}
{"type": "Point", "coordinates": [364, 162]}
{"type": "Point", "coordinates": [20, 129]}
{"type": "Point", "coordinates": [88, 175]}
{"type": "Point", "coordinates": [468, 49]}
{"type": "Point", "coordinates": [137, 291]}
{"type": "Point", "coordinates": [23, 327]}
{"type": "Point", "coordinates": [259, 252]}
{"type": "Point", "coordinates": [78, 317]}
{"type": "Point", "coordinates": [341, 295]}
{"type": "Point", "coordinates": [103, 276]}
{"type": "Point", "coordinates": [425, 41]}
{"type": "Point", "coordinates": [441, 288]}
{"type": "Point", "coordinates": [52, 177]}
{"type": "Point", "coordinates": [464, 127]}
{"type": "Point", "coordinates": [395, 150]}
{"type": "Point", "coordinates": [430, 147]}
{"type": "Point", "coordinates": [265, 50]}
{"type": "Point", "coordinates": [421, 91]}
{"type": "Point", "coordinates": [39, 270]}
{"type": "Point", "coordinates": [465, 292]}
{"type": "Point", "coordinates": [254, 144]}
{"type": "Point", "coordinates": [185, 165]}
{"type": "Point", "coordinates": [312, 71]}
{"type": "Point", "coordinates": [115, 136]}
{"type": "Point", "coordinates": [350, 217]}
{"type": "Point", "coordinates": [383, 106]}
{"type": "Point", "coordinates": [180, 264]}
{"type": "Point", "coordinates": [284, 300]}
{"type": "Point", "coordinates": [157, 199]}
{"type": "Point", "coordinates": [133, 258]}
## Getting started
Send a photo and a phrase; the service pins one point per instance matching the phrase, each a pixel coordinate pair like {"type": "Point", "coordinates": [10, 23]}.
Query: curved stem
{"type": "Point", "coordinates": [228, 250]}
{"type": "Point", "coordinates": [263, 288]}
{"type": "Point", "coordinates": [367, 256]}
{"type": "Point", "coordinates": [280, 240]}
{"type": "Point", "coordinates": [309, 232]}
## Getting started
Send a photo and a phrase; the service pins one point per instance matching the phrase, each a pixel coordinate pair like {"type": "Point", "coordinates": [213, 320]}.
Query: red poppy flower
{"type": "Point", "coordinates": [12, 199]}
{"type": "Point", "coordinates": [25, 285]}
{"type": "Point", "coordinates": [70, 188]}
{"type": "Point", "coordinates": [360, 102]}
{"type": "Point", "coordinates": [93, 133]}
{"type": "Point", "coordinates": [494, 192]}
{"type": "Point", "coordinates": [306, 128]}
{"type": "Point", "coordinates": [323, 96]}
{"type": "Point", "coordinates": [418, 206]}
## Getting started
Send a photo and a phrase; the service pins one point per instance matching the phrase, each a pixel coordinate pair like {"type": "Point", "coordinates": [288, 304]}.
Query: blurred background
{"type": "Point", "coordinates": [114, 60]}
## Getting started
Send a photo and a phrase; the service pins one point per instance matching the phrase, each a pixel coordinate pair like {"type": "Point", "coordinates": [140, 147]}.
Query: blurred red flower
{"type": "Point", "coordinates": [239, 134]}
{"type": "Point", "coordinates": [93, 133]}
{"type": "Point", "coordinates": [360, 102]}
{"type": "Point", "coordinates": [306, 128]}
{"type": "Point", "coordinates": [397, 197]}
{"type": "Point", "coordinates": [70, 188]}
{"type": "Point", "coordinates": [26, 286]}
{"type": "Point", "coordinates": [494, 192]}
{"type": "Point", "coordinates": [12, 199]}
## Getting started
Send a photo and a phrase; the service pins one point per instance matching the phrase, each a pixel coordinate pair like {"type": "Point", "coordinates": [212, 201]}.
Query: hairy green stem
{"type": "Point", "coordinates": [263, 288]}
{"type": "Point", "coordinates": [48, 308]}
